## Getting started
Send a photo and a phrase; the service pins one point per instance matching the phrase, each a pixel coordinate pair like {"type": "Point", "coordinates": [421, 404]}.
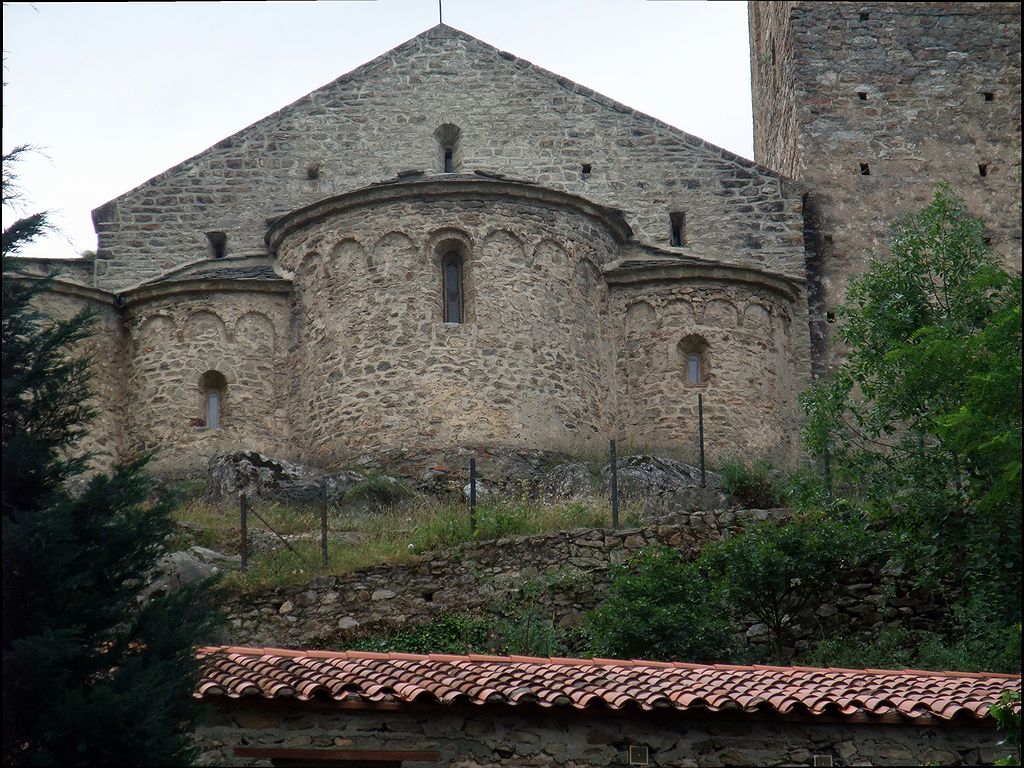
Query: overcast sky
{"type": "Point", "coordinates": [113, 94]}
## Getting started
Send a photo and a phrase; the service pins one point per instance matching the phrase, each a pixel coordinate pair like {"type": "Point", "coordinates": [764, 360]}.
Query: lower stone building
{"type": "Point", "coordinates": [271, 706]}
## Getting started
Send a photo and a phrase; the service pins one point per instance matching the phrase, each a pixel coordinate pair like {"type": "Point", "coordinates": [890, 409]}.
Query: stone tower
{"type": "Point", "coordinates": [869, 105]}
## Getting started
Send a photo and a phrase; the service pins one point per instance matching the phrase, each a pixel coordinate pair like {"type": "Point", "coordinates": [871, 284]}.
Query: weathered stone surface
{"type": "Point", "coordinates": [230, 475]}
{"type": "Point", "coordinates": [559, 737]}
{"type": "Point", "coordinates": [644, 477]}
{"type": "Point", "coordinates": [176, 569]}
{"type": "Point", "coordinates": [567, 481]}
{"type": "Point", "coordinates": [869, 104]}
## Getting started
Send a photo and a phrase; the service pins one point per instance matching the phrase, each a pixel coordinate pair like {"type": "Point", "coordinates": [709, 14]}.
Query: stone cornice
{"type": "Point", "coordinates": [154, 291]}
{"type": "Point", "coordinates": [444, 188]}
{"type": "Point", "coordinates": [665, 270]}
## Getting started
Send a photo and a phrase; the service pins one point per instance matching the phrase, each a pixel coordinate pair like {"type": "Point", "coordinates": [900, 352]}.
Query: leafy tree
{"type": "Point", "coordinates": [923, 416]}
{"type": "Point", "coordinates": [89, 677]}
{"type": "Point", "coordinates": [778, 572]}
{"type": "Point", "coordinates": [661, 607]}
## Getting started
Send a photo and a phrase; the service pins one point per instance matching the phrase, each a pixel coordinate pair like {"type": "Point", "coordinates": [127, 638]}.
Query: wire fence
{"type": "Point", "coordinates": [326, 511]}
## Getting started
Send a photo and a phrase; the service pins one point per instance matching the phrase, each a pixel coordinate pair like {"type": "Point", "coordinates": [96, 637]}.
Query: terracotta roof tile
{"type": "Point", "coordinates": [235, 672]}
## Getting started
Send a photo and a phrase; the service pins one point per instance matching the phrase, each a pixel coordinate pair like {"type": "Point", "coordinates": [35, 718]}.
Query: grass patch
{"type": "Point", "coordinates": [398, 535]}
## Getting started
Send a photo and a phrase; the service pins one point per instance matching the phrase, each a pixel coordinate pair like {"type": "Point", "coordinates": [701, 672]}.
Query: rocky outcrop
{"type": "Point", "coordinates": [567, 481]}
{"type": "Point", "coordinates": [229, 475]}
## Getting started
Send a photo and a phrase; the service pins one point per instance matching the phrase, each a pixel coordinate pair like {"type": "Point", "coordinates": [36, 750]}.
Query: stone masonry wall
{"type": "Point", "coordinates": [376, 365]}
{"type": "Point", "coordinates": [330, 612]}
{"type": "Point", "coordinates": [755, 364]}
{"type": "Point", "coordinates": [513, 118]}
{"type": "Point", "coordinates": [913, 93]}
{"type": "Point", "coordinates": [178, 336]}
{"type": "Point", "coordinates": [526, 737]}
{"type": "Point", "coordinates": [105, 349]}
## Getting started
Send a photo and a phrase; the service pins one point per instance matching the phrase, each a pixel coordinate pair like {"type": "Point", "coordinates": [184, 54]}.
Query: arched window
{"type": "Point", "coordinates": [212, 387]}
{"type": "Point", "coordinates": [451, 274]}
{"type": "Point", "coordinates": [694, 353]}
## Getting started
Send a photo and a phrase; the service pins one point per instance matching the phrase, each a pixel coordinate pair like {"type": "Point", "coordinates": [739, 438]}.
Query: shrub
{"type": "Point", "coordinates": [755, 486]}
{"type": "Point", "coordinates": [777, 572]}
{"type": "Point", "coordinates": [451, 633]}
{"type": "Point", "coordinates": [660, 607]}
{"type": "Point", "coordinates": [378, 491]}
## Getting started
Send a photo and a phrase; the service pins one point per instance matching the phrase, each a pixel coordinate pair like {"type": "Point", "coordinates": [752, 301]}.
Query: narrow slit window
{"type": "Point", "coordinates": [693, 351]}
{"type": "Point", "coordinates": [693, 368]}
{"type": "Point", "coordinates": [449, 159]}
{"type": "Point", "coordinates": [218, 244]}
{"type": "Point", "coordinates": [212, 387]}
{"type": "Point", "coordinates": [677, 229]}
{"type": "Point", "coordinates": [451, 269]}
{"type": "Point", "coordinates": [983, 169]}
{"type": "Point", "coordinates": [213, 409]}
{"type": "Point", "coordinates": [865, 169]}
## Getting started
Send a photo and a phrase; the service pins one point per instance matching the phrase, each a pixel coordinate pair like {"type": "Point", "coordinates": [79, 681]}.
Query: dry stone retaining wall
{"type": "Point", "coordinates": [331, 612]}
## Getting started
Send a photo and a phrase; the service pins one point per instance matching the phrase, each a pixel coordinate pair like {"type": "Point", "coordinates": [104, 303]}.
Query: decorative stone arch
{"type": "Point", "coordinates": [213, 390]}
{"type": "Point", "coordinates": [695, 360]}
{"type": "Point", "coordinates": [387, 253]}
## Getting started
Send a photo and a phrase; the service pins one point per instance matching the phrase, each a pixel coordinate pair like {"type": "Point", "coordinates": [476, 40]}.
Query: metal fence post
{"type": "Point", "coordinates": [700, 432]}
{"type": "Point", "coordinates": [615, 484]}
{"type": "Point", "coordinates": [323, 522]}
{"type": "Point", "coordinates": [243, 507]}
{"type": "Point", "coordinates": [472, 494]}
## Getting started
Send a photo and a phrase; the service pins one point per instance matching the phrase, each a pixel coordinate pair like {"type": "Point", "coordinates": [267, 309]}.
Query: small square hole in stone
{"type": "Point", "coordinates": [986, 241]}
{"type": "Point", "coordinates": [983, 169]}
{"type": "Point", "coordinates": [830, 317]}
{"type": "Point", "coordinates": [585, 169]}
{"type": "Point", "coordinates": [313, 172]}
{"type": "Point", "coordinates": [862, 95]}
{"type": "Point", "coordinates": [864, 16]}
{"type": "Point", "coordinates": [865, 169]}
{"type": "Point", "coordinates": [989, 96]}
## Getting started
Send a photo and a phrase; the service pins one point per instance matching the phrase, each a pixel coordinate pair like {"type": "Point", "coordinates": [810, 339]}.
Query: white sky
{"type": "Point", "coordinates": [113, 94]}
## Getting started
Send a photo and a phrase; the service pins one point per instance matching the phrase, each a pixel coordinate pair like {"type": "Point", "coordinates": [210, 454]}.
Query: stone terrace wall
{"type": "Point", "coordinates": [533, 738]}
{"type": "Point", "coordinates": [918, 92]}
{"type": "Point", "coordinates": [514, 119]}
{"type": "Point", "coordinates": [330, 612]}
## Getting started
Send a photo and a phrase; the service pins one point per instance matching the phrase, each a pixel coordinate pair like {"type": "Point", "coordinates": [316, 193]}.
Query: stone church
{"type": "Point", "coordinates": [450, 246]}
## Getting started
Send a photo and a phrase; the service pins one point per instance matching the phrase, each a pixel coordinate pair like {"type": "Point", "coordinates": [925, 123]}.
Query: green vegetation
{"type": "Point", "coordinates": [451, 633]}
{"type": "Point", "coordinates": [754, 486]}
{"type": "Point", "coordinates": [392, 535]}
{"type": "Point", "coordinates": [778, 572]}
{"type": "Point", "coordinates": [89, 678]}
{"type": "Point", "coordinates": [1007, 714]}
{"type": "Point", "coordinates": [922, 420]}
{"type": "Point", "coordinates": [660, 606]}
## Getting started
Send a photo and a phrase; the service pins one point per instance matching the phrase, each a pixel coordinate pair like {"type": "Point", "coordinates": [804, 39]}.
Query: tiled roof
{"type": "Point", "coordinates": [358, 677]}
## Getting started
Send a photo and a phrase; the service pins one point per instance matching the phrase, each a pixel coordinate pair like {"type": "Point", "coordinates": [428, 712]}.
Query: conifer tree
{"type": "Point", "coordinates": [89, 676]}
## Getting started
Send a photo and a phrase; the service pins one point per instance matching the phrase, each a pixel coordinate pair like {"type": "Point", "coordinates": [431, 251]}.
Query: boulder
{"type": "Point", "coordinates": [644, 476]}
{"type": "Point", "coordinates": [176, 569]}
{"type": "Point", "coordinates": [229, 475]}
{"type": "Point", "coordinates": [571, 480]}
